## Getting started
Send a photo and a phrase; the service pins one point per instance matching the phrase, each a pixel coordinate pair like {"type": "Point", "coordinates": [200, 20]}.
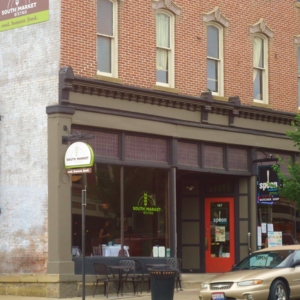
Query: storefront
{"type": "Point", "coordinates": [277, 217]}
{"type": "Point", "coordinates": [170, 171]}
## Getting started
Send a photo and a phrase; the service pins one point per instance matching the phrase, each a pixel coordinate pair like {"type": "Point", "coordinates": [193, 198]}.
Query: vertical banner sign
{"type": "Point", "coordinates": [19, 13]}
{"type": "Point", "coordinates": [267, 185]}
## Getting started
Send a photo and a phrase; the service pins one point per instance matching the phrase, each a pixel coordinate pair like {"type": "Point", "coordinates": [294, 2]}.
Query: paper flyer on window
{"type": "Point", "coordinates": [220, 233]}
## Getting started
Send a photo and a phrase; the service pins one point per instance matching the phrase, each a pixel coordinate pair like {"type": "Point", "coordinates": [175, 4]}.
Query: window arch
{"type": "Point", "coordinates": [260, 68]}
{"type": "Point", "coordinates": [107, 42]}
{"type": "Point", "coordinates": [216, 22]}
{"type": "Point", "coordinates": [167, 4]}
{"type": "Point", "coordinates": [164, 49]}
{"type": "Point", "coordinates": [215, 62]}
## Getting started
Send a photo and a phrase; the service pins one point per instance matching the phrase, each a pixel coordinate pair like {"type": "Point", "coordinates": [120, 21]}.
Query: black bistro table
{"type": "Point", "coordinates": [120, 269]}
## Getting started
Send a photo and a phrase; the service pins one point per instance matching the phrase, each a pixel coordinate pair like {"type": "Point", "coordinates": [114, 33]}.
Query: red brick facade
{"type": "Point", "coordinates": [137, 45]}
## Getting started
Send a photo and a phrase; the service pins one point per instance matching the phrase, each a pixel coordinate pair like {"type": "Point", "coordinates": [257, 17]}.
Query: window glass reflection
{"type": "Point", "coordinates": [145, 213]}
{"type": "Point", "coordinates": [145, 209]}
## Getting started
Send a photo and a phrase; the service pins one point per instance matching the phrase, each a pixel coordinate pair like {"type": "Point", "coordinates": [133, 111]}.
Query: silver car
{"type": "Point", "coordinates": [268, 274]}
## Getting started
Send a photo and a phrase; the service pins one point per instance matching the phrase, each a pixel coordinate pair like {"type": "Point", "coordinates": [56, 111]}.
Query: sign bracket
{"type": "Point", "coordinates": [74, 137]}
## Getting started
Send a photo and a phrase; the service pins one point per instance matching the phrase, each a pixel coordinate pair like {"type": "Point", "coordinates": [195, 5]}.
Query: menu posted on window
{"type": "Point", "coordinates": [274, 238]}
{"type": "Point", "coordinates": [220, 233]}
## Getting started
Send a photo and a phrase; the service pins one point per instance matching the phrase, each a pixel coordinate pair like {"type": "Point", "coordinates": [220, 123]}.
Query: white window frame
{"type": "Point", "coordinates": [264, 69]}
{"type": "Point", "coordinates": [220, 59]}
{"type": "Point", "coordinates": [114, 43]}
{"type": "Point", "coordinates": [171, 52]}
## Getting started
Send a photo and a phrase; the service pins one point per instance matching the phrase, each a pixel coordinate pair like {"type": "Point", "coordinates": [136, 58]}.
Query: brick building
{"type": "Point", "coordinates": [184, 99]}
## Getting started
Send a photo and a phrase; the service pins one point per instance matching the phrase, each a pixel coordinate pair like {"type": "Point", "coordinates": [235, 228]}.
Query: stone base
{"type": "Point", "coordinates": [49, 286]}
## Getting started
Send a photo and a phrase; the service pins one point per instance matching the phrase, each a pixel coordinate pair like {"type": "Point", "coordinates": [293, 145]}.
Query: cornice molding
{"type": "Point", "coordinates": [66, 77]}
{"type": "Point", "coordinates": [261, 27]}
{"type": "Point", "coordinates": [60, 109]}
{"type": "Point", "coordinates": [205, 103]}
{"type": "Point", "coordinates": [167, 4]}
{"type": "Point", "coordinates": [216, 16]}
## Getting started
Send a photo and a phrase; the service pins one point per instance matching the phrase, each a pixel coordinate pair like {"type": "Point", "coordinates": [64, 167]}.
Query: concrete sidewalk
{"type": "Point", "coordinates": [182, 295]}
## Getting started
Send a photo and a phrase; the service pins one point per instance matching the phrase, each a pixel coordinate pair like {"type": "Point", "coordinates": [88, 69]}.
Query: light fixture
{"type": "Point", "coordinates": [190, 188]}
{"type": "Point", "coordinates": [76, 177]}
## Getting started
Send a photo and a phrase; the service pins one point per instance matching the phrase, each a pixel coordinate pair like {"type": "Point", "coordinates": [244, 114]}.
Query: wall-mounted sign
{"type": "Point", "coordinates": [19, 13]}
{"type": "Point", "coordinates": [267, 185]}
{"type": "Point", "coordinates": [79, 155]}
{"type": "Point", "coordinates": [147, 205]}
{"type": "Point", "coordinates": [79, 171]}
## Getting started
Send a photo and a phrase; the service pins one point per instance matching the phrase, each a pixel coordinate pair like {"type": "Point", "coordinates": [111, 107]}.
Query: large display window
{"type": "Point", "coordinates": [136, 201]}
{"type": "Point", "coordinates": [280, 216]}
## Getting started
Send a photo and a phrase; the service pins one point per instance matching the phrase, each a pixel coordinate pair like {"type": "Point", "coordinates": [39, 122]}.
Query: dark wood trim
{"type": "Point", "coordinates": [60, 109]}
{"type": "Point", "coordinates": [174, 121]}
{"type": "Point", "coordinates": [205, 103]}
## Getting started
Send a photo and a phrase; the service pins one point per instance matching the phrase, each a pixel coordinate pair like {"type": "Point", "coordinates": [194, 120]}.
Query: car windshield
{"type": "Point", "coordinates": [268, 259]}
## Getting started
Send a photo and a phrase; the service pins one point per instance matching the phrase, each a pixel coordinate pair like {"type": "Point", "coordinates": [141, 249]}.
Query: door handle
{"type": "Point", "coordinates": [249, 242]}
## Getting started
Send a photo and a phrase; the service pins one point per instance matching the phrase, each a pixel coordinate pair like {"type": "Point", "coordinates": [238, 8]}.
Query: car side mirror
{"type": "Point", "coordinates": [296, 263]}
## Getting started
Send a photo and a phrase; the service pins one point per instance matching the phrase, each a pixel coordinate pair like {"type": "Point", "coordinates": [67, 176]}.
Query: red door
{"type": "Point", "coordinates": [219, 234]}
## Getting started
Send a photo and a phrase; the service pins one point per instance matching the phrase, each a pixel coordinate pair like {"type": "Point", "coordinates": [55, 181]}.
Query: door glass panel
{"type": "Point", "coordinates": [219, 229]}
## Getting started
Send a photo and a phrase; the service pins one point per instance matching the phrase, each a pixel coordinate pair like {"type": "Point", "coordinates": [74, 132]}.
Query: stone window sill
{"type": "Point", "coordinates": [261, 105]}
{"type": "Point", "coordinates": [166, 89]}
{"type": "Point", "coordinates": [107, 78]}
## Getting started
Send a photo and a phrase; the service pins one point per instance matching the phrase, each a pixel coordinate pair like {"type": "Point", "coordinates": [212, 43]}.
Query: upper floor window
{"type": "Point", "coordinates": [215, 76]}
{"type": "Point", "coordinates": [107, 63]}
{"type": "Point", "coordinates": [260, 69]}
{"type": "Point", "coordinates": [299, 76]}
{"type": "Point", "coordinates": [164, 49]}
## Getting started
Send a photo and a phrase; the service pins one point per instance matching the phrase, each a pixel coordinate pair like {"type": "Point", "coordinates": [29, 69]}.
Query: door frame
{"type": "Point", "coordinates": [219, 264]}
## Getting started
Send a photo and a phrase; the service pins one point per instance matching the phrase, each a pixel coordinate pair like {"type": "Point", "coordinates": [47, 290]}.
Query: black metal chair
{"type": "Point", "coordinates": [140, 272]}
{"type": "Point", "coordinates": [104, 274]}
{"type": "Point", "coordinates": [129, 274]}
{"type": "Point", "coordinates": [176, 263]}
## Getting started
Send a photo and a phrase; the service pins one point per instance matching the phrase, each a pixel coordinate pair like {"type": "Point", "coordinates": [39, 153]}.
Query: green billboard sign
{"type": "Point", "coordinates": [19, 13]}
